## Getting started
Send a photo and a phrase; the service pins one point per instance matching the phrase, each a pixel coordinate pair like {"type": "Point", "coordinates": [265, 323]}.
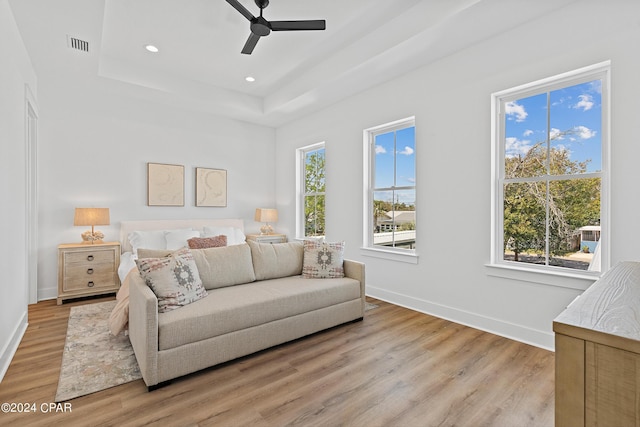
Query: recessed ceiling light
{"type": "Point", "coordinates": [250, 79]}
{"type": "Point", "coordinates": [151, 48]}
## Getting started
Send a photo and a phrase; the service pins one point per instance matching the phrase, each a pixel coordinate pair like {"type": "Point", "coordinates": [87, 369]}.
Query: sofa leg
{"type": "Point", "coordinates": [157, 386]}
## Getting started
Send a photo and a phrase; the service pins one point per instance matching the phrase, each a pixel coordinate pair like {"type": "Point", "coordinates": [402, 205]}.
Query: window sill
{"type": "Point", "coordinates": [410, 258]}
{"type": "Point", "coordinates": [570, 280]}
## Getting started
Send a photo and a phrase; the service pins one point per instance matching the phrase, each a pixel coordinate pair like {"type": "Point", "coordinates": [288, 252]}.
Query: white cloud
{"type": "Point", "coordinates": [527, 132]}
{"type": "Point", "coordinates": [584, 132]}
{"type": "Point", "coordinates": [514, 147]}
{"type": "Point", "coordinates": [517, 110]}
{"type": "Point", "coordinates": [407, 151]}
{"type": "Point", "coordinates": [555, 134]}
{"type": "Point", "coordinates": [585, 103]}
{"type": "Point", "coordinates": [380, 149]}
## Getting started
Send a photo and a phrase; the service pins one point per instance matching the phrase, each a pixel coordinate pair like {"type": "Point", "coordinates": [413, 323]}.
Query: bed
{"type": "Point", "coordinates": [151, 234]}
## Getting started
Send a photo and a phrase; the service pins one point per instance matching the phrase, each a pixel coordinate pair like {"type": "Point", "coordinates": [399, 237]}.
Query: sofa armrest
{"type": "Point", "coordinates": [143, 328]}
{"type": "Point", "coordinates": [355, 270]}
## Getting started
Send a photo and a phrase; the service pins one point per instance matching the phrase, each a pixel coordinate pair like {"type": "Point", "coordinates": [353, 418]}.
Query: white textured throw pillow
{"type": "Point", "coordinates": [177, 239]}
{"type": "Point", "coordinates": [174, 280]}
{"type": "Point", "coordinates": [323, 260]}
{"type": "Point", "coordinates": [235, 236]}
{"type": "Point", "coordinates": [147, 239]}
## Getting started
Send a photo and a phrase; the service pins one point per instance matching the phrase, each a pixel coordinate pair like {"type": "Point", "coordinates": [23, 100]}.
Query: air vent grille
{"type": "Point", "coordinates": [76, 43]}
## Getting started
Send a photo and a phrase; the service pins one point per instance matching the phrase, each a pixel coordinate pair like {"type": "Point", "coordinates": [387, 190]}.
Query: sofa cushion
{"type": "Point", "coordinates": [174, 279]}
{"type": "Point", "coordinates": [271, 261]}
{"type": "Point", "coordinates": [323, 260]}
{"type": "Point", "coordinates": [235, 308]}
{"type": "Point", "coordinates": [224, 266]}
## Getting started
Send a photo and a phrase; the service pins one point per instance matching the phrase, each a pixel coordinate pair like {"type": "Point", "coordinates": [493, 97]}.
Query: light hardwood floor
{"type": "Point", "coordinates": [395, 368]}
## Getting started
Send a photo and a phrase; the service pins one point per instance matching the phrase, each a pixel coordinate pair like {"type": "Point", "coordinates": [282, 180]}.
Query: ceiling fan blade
{"type": "Point", "coordinates": [250, 44]}
{"type": "Point", "coordinates": [319, 24]}
{"type": "Point", "coordinates": [240, 8]}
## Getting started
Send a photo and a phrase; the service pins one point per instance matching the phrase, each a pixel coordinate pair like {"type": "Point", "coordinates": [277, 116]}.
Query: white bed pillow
{"type": "Point", "coordinates": [147, 239]}
{"type": "Point", "coordinates": [235, 236]}
{"type": "Point", "coordinates": [176, 239]}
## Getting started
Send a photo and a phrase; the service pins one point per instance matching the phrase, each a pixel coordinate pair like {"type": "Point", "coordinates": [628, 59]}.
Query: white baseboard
{"type": "Point", "coordinates": [11, 347]}
{"type": "Point", "coordinates": [512, 331]}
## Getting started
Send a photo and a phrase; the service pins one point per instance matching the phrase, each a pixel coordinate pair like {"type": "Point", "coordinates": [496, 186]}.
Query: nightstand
{"type": "Point", "coordinates": [85, 269]}
{"type": "Point", "coordinates": [267, 238]}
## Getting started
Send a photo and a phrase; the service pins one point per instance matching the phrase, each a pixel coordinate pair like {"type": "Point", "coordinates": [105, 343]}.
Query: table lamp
{"type": "Point", "coordinates": [266, 216]}
{"type": "Point", "coordinates": [92, 217]}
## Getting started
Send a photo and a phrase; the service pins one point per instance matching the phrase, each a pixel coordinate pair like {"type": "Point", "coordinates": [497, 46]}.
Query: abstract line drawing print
{"type": "Point", "coordinates": [165, 185]}
{"type": "Point", "coordinates": [211, 187]}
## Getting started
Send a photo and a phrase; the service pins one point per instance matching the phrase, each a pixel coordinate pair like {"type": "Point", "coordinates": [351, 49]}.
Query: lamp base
{"type": "Point", "coordinates": [266, 229]}
{"type": "Point", "coordinates": [91, 237]}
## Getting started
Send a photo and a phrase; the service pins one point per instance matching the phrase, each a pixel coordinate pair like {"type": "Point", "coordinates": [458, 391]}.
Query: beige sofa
{"type": "Point", "coordinates": [256, 299]}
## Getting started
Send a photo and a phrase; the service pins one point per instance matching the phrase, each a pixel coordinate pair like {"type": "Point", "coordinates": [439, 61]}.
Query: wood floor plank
{"type": "Point", "coordinates": [397, 367]}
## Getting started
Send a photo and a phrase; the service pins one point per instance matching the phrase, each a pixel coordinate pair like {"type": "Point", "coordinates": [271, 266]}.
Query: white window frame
{"type": "Point", "coordinates": [301, 154]}
{"type": "Point", "coordinates": [550, 275]}
{"type": "Point", "coordinates": [368, 248]}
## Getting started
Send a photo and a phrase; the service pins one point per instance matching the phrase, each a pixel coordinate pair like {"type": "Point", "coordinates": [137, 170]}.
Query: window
{"type": "Point", "coordinates": [311, 191]}
{"type": "Point", "coordinates": [390, 182]}
{"type": "Point", "coordinates": [550, 173]}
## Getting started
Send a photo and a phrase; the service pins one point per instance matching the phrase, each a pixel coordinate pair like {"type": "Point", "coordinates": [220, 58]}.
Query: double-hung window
{"type": "Point", "coordinates": [550, 174]}
{"type": "Point", "coordinates": [390, 188]}
{"type": "Point", "coordinates": [311, 191]}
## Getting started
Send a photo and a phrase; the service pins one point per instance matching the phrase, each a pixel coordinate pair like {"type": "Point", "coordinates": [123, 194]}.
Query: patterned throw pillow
{"type": "Point", "coordinates": [174, 279]}
{"type": "Point", "coordinates": [322, 260]}
{"type": "Point", "coordinates": [207, 242]}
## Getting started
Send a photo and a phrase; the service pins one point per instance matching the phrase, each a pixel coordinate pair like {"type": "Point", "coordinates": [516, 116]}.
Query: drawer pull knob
{"type": "Point", "coordinates": [89, 270]}
{"type": "Point", "coordinates": [90, 258]}
{"type": "Point", "coordinates": [90, 284]}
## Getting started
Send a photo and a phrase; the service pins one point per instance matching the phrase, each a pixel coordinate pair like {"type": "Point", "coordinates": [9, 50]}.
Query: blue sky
{"type": "Point", "coordinates": [577, 109]}
{"type": "Point", "coordinates": [403, 154]}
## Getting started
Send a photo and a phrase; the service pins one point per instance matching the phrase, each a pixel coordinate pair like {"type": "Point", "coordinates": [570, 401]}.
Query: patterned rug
{"type": "Point", "coordinates": [370, 306]}
{"type": "Point", "coordinates": [93, 359]}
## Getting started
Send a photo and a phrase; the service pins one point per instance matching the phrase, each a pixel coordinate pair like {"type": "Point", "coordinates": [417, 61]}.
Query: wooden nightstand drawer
{"type": "Point", "coordinates": [80, 277]}
{"type": "Point", "coordinates": [85, 270]}
{"type": "Point", "coordinates": [85, 257]}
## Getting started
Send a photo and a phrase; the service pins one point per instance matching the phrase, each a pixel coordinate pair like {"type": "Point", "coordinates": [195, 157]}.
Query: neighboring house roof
{"type": "Point", "coordinates": [400, 216]}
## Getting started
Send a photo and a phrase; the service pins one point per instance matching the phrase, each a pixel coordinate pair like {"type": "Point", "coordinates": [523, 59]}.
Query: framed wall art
{"type": "Point", "coordinates": [211, 187]}
{"type": "Point", "coordinates": [165, 185]}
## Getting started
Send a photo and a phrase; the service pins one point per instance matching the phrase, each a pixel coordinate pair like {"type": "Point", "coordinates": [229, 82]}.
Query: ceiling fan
{"type": "Point", "coordinates": [260, 27]}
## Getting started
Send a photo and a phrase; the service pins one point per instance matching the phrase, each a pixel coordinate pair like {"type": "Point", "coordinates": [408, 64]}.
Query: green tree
{"type": "Point", "coordinates": [567, 204]}
{"type": "Point", "coordinates": [314, 189]}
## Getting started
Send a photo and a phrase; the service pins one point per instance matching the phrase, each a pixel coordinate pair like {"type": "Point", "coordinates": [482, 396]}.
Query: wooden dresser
{"type": "Point", "coordinates": [85, 270]}
{"type": "Point", "coordinates": [598, 353]}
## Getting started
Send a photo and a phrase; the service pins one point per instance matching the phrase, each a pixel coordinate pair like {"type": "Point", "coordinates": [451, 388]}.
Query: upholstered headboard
{"type": "Point", "coordinates": [127, 227]}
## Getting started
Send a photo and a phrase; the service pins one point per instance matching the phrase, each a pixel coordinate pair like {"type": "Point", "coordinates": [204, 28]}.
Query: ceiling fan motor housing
{"type": "Point", "coordinates": [260, 26]}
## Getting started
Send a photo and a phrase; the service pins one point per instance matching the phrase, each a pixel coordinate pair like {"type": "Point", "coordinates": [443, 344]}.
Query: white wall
{"type": "Point", "coordinates": [451, 102]}
{"type": "Point", "coordinates": [96, 139]}
{"type": "Point", "coordinates": [15, 73]}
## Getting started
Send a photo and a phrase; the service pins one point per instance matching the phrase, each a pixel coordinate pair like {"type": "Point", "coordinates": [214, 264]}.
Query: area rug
{"type": "Point", "coordinates": [93, 359]}
{"type": "Point", "coordinates": [370, 306]}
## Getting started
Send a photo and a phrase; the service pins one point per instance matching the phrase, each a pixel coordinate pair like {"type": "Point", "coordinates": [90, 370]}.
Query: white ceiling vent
{"type": "Point", "coordinates": [76, 43]}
